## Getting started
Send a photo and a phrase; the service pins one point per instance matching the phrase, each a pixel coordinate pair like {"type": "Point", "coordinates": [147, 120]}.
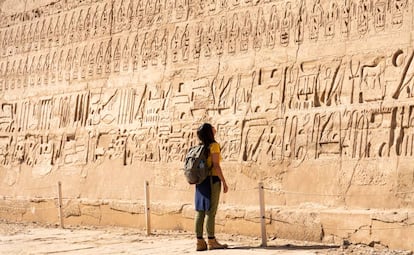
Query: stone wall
{"type": "Point", "coordinates": [314, 98]}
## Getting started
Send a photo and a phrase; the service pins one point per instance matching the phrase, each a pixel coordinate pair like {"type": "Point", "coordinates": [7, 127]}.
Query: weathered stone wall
{"type": "Point", "coordinates": [314, 98]}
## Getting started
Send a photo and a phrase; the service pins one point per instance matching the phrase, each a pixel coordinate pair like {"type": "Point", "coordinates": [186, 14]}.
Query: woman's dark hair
{"type": "Point", "coordinates": [205, 134]}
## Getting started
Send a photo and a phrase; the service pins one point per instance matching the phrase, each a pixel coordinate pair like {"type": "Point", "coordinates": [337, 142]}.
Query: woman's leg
{"type": "Point", "coordinates": [211, 214]}
{"type": "Point", "coordinates": [199, 223]}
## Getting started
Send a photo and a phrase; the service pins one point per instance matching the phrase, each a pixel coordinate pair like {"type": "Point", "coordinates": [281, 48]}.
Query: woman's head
{"type": "Point", "coordinates": [206, 133]}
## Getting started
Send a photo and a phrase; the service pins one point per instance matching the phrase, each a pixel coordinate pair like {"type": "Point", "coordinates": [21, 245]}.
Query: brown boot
{"type": "Point", "coordinates": [201, 245]}
{"type": "Point", "coordinates": [213, 244]}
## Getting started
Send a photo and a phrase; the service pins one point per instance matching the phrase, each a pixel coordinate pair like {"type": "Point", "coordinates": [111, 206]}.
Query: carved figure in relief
{"type": "Point", "coordinates": [84, 63]}
{"type": "Point", "coordinates": [105, 20]}
{"type": "Point", "coordinates": [108, 58]}
{"type": "Point", "coordinates": [181, 7]}
{"type": "Point", "coordinates": [300, 22]}
{"type": "Point", "coordinates": [380, 14]}
{"type": "Point", "coordinates": [72, 28]}
{"type": "Point", "coordinates": [100, 60]}
{"type": "Point", "coordinates": [125, 56]}
{"type": "Point", "coordinates": [91, 61]}
{"type": "Point", "coordinates": [286, 25]}
{"type": "Point", "coordinates": [397, 12]}
{"type": "Point", "coordinates": [185, 44]}
{"type": "Point", "coordinates": [18, 151]}
{"type": "Point", "coordinates": [53, 70]}
{"type": "Point", "coordinates": [245, 32]}
{"type": "Point", "coordinates": [95, 22]}
{"type": "Point", "coordinates": [75, 64]}
{"type": "Point", "coordinates": [32, 77]}
{"type": "Point", "coordinates": [149, 13]}
{"type": "Point", "coordinates": [329, 82]}
{"type": "Point", "coordinates": [260, 30]}
{"type": "Point", "coordinates": [140, 13]}
{"type": "Point", "coordinates": [39, 71]}
{"type": "Point", "coordinates": [135, 52]}
{"type": "Point", "coordinates": [80, 29]}
{"type": "Point", "coordinates": [43, 35]}
{"type": "Point", "coordinates": [25, 73]}
{"type": "Point", "coordinates": [35, 41]}
{"type": "Point", "coordinates": [17, 40]}
{"type": "Point", "coordinates": [13, 76]}
{"type": "Point", "coordinates": [56, 38]}
{"type": "Point", "coordinates": [330, 19]}
{"type": "Point", "coordinates": [60, 66]}
{"type": "Point", "coordinates": [164, 47]}
{"type": "Point", "coordinates": [233, 34]}
{"type": "Point", "coordinates": [130, 14]}
{"type": "Point", "coordinates": [155, 49]}
{"type": "Point", "coordinates": [364, 10]}
{"type": "Point", "coordinates": [120, 18]}
{"type": "Point", "coordinates": [315, 21]}
{"type": "Point", "coordinates": [117, 57]}
{"type": "Point", "coordinates": [87, 24]}
{"type": "Point", "coordinates": [145, 51]}
{"type": "Point", "coordinates": [198, 41]}
{"type": "Point", "coordinates": [64, 30]}
{"type": "Point", "coordinates": [357, 134]}
{"type": "Point", "coordinates": [11, 37]}
{"type": "Point", "coordinates": [19, 74]}
{"type": "Point", "coordinates": [345, 18]}
{"type": "Point", "coordinates": [372, 81]}
{"type": "Point", "coordinates": [159, 15]}
{"type": "Point", "coordinates": [221, 36]}
{"type": "Point", "coordinates": [175, 45]}
{"type": "Point", "coordinates": [209, 39]}
{"type": "Point", "coordinates": [7, 112]}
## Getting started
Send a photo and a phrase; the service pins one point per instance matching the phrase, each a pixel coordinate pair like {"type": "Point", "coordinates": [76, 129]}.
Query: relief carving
{"type": "Point", "coordinates": [286, 110]}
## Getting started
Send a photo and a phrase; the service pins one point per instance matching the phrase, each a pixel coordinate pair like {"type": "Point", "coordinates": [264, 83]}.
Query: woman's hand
{"type": "Point", "coordinates": [225, 187]}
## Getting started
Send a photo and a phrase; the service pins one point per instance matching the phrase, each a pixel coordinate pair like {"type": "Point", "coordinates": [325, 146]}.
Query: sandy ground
{"type": "Point", "coordinates": [35, 239]}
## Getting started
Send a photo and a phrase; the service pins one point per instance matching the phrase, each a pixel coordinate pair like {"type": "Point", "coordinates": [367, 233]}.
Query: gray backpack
{"type": "Point", "coordinates": [195, 165]}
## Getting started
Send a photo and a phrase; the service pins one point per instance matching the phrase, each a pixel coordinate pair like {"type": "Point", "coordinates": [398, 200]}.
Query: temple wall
{"type": "Point", "coordinates": [313, 98]}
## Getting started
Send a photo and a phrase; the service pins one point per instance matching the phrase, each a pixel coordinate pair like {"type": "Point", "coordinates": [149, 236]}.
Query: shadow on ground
{"type": "Point", "coordinates": [288, 247]}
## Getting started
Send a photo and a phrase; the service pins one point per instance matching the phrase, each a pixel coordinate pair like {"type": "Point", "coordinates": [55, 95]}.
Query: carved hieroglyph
{"type": "Point", "coordinates": [285, 82]}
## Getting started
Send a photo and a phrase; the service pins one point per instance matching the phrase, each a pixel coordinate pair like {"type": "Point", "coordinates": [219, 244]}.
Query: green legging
{"type": "Point", "coordinates": [211, 214]}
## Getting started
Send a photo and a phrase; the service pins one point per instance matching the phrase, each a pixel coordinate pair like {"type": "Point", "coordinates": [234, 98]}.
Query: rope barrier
{"type": "Point", "coordinates": [281, 192]}
{"type": "Point", "coordinates": [334, 195]}
{"type": "Point", "coordinates": [167, 187]}
{"type": "Point", "coordinates": [26, 208]}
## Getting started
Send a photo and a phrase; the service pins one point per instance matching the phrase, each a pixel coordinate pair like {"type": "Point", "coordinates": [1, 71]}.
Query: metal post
{"type": "Point", "coordinates": [262, 214]}
{"type": "Point", "coordinates": [60, 204]}
{"type": "Point", "coordinates": [147, 208]}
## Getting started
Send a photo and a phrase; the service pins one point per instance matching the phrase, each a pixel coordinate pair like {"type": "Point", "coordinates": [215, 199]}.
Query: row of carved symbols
{"type": "Point", "coordinates": [281, 25]}
{"type": "Point", "coordinates": [355, 134]}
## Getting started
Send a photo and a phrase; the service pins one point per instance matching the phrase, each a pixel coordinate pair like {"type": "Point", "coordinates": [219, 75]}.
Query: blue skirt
{"type": "Point", "coordinates": [203, 193]}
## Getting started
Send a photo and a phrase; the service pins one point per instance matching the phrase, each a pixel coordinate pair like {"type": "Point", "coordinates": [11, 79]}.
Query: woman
{"type": "Point", "coordinates": [208, 192]}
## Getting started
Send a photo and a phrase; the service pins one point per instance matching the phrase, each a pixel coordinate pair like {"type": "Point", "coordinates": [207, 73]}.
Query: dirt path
{"type": "Point", "coordinates": [34, 239]}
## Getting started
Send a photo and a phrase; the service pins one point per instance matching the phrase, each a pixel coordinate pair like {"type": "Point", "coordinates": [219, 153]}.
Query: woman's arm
{"type": "Point", "coordinates": [215, 158]}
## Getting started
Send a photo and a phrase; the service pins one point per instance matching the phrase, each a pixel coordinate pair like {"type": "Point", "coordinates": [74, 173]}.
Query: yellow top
{"type": "Point", "coordinates": [214, 148]}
